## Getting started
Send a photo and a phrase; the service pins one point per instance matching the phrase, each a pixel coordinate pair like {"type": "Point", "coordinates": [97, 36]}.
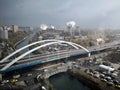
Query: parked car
{"type": "Point", "coordinates": [96, 75]}
{"type": "Point", "coordinates": [108, 78]}
{"type": "Point", "coordinates": [5, 81]}
{"type": "Point", "coordinates": [110, 83]}
{"type": "Point", "coordinates": [116, 82]}
{"type": "Point", "coordinates": [14, 80]}
{"type": "Point", "coordinates": [102, 79]}
{"type": "Point", "coordinates": [90, 73]}
{"type": "Point", "coordinates": [117, 86]}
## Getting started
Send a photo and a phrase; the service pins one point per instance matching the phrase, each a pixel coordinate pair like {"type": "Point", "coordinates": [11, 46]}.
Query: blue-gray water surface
{"type": "Point", "coordinates": [64, 81]}
{"type": "Point", "coordinates": [24, 43]}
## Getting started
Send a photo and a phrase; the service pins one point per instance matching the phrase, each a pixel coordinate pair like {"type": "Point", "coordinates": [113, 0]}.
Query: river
{"type": "Point", "coordinates": [25, 42]}
{"type": "Point", "coordinates": [64, 81]}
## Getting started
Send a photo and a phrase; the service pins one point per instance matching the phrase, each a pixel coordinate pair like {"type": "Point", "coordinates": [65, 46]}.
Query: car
{"type": "Point", "coordinates": [117, 86]}
{"type": "Point", "coordinates": [86, 70]}
{"type": "Point", "coordinates": [90, 73]}
{"type": "Point", "coordinates": [119, 68]}
{"type": "Point", "coordinates": [96, 75]}
{"type": "Point", "coordinates": [29, 74]}
{"type": "Point", "coordinates": [102, 79]}
{"type": "Point", "coordinates": [5, 81]}
{"type": "Point", "coordinates": [16, 76]}
{"type": "Point", "coordinates": [116, 82]}
{"type": "Point", "coordinates": [108, 78]}
{"type": "Point", "coordinates": [110, 83]}
{"type": "Point", "coordinates": [114, 75]}
{"type": "Point", "coordinates": [102, 75]}
{"type": "Point", "coordinates": [14, 80]}
{"type": "Point", "coordinates": [104, 72]}
{"type": "Point", "coordinates": [96, 72]}
{"type": "Point", "coordinates": [43, 88]}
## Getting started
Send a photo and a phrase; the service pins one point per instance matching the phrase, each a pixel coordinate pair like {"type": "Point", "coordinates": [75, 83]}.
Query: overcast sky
{"type": "Point", "coordinates": [86, 13]}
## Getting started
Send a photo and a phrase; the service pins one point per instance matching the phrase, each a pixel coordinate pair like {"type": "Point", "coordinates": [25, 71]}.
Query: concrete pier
{"type": "Point", "coordinates": [0, 77]}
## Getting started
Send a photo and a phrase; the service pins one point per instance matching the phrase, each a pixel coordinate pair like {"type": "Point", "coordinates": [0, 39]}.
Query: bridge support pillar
{"type": "Point", "coordinates": [89, 55]}
{"type": "Point", "coordinates": [0, 77]}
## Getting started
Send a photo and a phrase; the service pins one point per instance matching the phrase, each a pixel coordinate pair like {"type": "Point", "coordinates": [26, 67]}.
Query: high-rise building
{"type": "Point", "coordinates": [1, 28]}
{"type": "Point", "coordinates": [31, 28]}
{"type": "Point", "coordinates": [4, 27]}
{"type": "Point", "coordinates": [14, 28]}
{"type": "Point", "coordinates": [77, 31]}
{"type": "Point", "coordinates": [4, 34]}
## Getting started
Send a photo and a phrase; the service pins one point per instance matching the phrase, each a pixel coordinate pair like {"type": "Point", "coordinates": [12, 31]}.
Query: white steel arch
{"type": "Point", "coordinates": [7, 57]}
{"type": "Point", "coordinates": [82, 48]}
{"type": "Point", "coordinates": [32, 50]}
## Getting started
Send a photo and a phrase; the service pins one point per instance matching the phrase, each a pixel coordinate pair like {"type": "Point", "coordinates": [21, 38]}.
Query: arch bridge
{"type": "Point", "coordinates": [42, 44]}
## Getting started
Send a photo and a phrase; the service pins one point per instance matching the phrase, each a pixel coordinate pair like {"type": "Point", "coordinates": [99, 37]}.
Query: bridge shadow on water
{"type": "Point", "coordinates": [64, 81]}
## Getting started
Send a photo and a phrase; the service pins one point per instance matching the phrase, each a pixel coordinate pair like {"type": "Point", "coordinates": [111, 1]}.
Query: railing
{"type": "Point", "coordinates": [58, 55]}
{"type": "Point", "coordinates": [47, 75]}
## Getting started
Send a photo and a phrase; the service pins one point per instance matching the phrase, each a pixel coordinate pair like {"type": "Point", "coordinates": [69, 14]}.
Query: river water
{"type": "Point", "coordinates": [24, 43]}
{"type": "Point", "coordinates": [64, 81]}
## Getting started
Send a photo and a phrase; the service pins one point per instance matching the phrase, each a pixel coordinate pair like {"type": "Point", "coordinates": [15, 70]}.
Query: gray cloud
{"type": "Point", "coordinates": [87, 13]}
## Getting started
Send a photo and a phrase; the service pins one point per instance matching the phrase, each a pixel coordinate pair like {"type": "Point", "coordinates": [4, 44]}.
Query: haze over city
{"type": "Point", "coordinates": [86, 13]}
{"type": "Point", "coordinates": [59, 45]}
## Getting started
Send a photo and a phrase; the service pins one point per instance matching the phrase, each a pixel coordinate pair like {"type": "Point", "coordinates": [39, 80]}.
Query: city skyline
{"type": "Point", "coordinates": [86, 14]}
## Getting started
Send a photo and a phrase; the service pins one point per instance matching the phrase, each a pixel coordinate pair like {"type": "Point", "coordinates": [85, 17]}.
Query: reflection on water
{"type": "Point", "coordinates": [64, 81]}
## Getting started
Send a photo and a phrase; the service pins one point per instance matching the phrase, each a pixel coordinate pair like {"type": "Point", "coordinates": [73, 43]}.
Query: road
{"type": "Point", "coordinates": [61, 54]}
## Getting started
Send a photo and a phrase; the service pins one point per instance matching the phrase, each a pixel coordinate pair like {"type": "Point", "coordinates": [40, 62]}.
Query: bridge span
{"type": "Point", "coordinates": [21, 63]}
{"type": "Point", "coordinates": [7, 66]}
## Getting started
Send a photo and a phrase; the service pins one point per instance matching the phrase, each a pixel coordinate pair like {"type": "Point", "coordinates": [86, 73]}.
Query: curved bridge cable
{"type": "Point", "coordinates": [82, 48]}
{"type": "Point", "coordinates": [7, 57]}
{"type": "Point", "coordinates": [30, 51]}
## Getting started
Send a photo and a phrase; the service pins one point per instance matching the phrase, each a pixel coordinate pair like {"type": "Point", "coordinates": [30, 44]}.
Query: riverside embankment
{"type": "Point", "coordinates": [90, 81]}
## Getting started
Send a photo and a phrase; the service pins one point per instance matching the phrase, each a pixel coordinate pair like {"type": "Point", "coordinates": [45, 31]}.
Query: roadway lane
{"type": "Point", "coordinates": [65, 54]}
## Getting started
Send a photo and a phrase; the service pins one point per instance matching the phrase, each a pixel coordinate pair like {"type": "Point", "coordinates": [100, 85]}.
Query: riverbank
{"type": "Point", "coordinates": [93, 83]}
{"type": "Point", "coordinates": [19, 42]}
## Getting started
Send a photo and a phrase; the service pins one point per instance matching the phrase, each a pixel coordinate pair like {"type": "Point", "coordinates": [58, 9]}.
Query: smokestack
{"type": "Point", "coordinates": [70, 26]}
